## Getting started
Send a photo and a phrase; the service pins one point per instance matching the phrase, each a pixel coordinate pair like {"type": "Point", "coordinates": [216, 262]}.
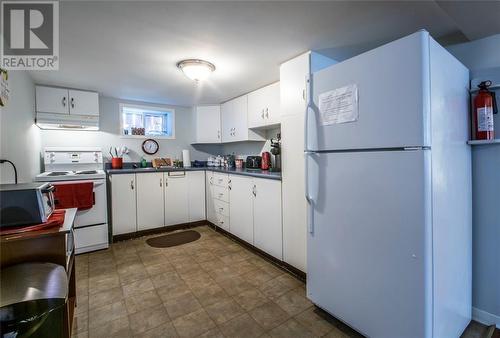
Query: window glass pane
{"type": "Point", "coordinates": [139, 121]}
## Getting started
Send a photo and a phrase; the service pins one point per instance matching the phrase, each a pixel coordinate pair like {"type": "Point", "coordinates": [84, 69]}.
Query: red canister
{"type": "Point", "coordinates": [266, 160]}
{"type": "Point", "coordinates": [117, 162]}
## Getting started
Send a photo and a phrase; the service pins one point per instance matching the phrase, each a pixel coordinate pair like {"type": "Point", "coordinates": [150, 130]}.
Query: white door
{"type": "Point", "coordinates": [368, 251]}
{"type": "Point", "coordinates": [268, 233]}
{"type": "Point", "coordinates": [257, 108]}
{"type": "Point", "coordinates": [293, 75]}
{"type": "Point", "coordinates": [227, 121]}
{"type": "Point", "coordinates": [52, 100]}
{"type": "Point", "coordinates": [83, 102]}
{"type": "Point", "coordinates": [211, 215]}
{"type": "Point", "coordinates": [293, 194]}
{"type": "Point", "coordinates": [149, 201]}
{"type": "Point", "coordinates": [241, 207]}
{"type": "Point", "coordinates": [208, 124]}
{"type": "Point", "coordinates": [196, 195]}
{"type": "Point", "coordinates": [123, 204]}
{"type": "Point", "coordinates": [176, 198]}
{"type": "Point", "coordinates": [240, 118]}
{"type": "Point", "coordinates": [272, 112]}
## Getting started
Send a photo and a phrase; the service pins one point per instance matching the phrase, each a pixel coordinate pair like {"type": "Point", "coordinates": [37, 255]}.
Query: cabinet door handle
{"type": "Point", "coordinates": [211, 180]}
{"type": "Point", "coordinates": [132, 185]}
{"type": "Point", "coordinates": [218, 134]}
{"type": "Point", "coordinates": [161, 184]}
{"type": "Point", "coordinates": [221, 194]}
{"type": "Point", "coordinates": [254, 190]}
{"type": "Point", "coordinates": [221, 209]}
{"type": "Point", "coordinates": [229, 185]}
{"type": "Point", "coordinates": [262, 115]}
{"type": "Point", "coordinates": [64, 101]}
{"type": "Point", "coordinates": [267, 113]}
{"type": "Point", "coordinates": [221, 222]}
{"type": "Point", "coordinates": [72, 102]}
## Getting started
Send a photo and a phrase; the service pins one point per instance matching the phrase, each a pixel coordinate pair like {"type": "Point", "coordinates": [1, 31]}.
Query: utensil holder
{"type": "Point", "coordinates": [117, 162]}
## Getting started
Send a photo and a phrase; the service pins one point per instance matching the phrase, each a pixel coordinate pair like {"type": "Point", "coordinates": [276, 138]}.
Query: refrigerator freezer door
{"type": "Point", "coordinates": [368, 253]}
{"type": "Point", "coordinates": [393, 98]}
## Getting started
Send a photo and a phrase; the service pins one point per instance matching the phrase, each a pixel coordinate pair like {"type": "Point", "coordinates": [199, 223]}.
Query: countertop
{"type": "Point", "coordinates": [66, 227]}
{"type": "Point", "coordinates": [245, 172]}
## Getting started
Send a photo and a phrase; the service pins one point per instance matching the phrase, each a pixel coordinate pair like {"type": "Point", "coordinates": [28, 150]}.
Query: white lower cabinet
{"type": "Point", "coordinates": [123, 204]}
{"type": "Point", "coordinates": [255, 212]}
{"type": "Point", "coordinates": [176, 198]}
{"type": "Point", "coordinates": [267, 221]}
{"type": "Point", "coordinates": [149, 201]}
{"type": "Point", "coordinates": [241, 207]}
{"type": "Point", "coordinates": [196, 195]}
{"type": "Point", "coordinates": [218, 199]}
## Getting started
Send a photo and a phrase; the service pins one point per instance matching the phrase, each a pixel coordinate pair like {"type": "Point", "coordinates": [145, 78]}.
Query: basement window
{"type": "Point", "coordinates": [146, 121]}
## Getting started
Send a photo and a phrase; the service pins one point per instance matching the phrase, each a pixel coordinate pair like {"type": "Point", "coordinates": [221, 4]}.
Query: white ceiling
{"type": "Point", "coordinates": [130, 49]}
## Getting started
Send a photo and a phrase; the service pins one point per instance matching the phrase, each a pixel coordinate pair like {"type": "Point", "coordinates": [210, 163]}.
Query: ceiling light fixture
{"type": "Point", "coordinates": [196, 69]}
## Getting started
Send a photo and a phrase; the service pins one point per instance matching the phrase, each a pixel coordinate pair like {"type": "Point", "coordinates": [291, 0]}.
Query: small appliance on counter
{"type": "Point", "coordinates": [266, 160]}
{"type": "Point", "coordinates": [25, 204]}
{"type": "Point", "coordinates": [229, 161]}
{"type": "Point", "coordinates": [253, 162]}
{"type": "Point", "coordinates": [276, 151]}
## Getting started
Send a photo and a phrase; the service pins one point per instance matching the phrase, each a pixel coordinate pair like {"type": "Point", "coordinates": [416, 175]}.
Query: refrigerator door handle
{"type": "Point", "coordinates": [309, 198]}
{"type": "Point", "coordinates": [308, 86]}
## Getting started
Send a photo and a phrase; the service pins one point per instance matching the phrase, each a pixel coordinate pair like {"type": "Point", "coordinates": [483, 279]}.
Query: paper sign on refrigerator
{"type": "Point", "coordinates": [339, 105]}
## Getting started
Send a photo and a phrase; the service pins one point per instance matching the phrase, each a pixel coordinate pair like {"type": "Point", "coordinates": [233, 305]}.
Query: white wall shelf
{"type": "Point", "coordinates": [483, 142]}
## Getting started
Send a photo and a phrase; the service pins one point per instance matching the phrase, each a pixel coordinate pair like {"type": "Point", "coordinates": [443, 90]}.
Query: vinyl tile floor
{"type": "Point", "coordinates": [212, 287]}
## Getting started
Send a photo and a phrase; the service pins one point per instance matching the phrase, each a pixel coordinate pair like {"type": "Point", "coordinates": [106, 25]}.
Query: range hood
{"type": "Point", "coordinates": [67, 121]}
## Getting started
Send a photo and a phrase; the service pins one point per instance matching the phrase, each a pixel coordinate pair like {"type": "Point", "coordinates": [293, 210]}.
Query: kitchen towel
{"type": "Point", "coordinates": [186, 159]}
{"type": "Point", "coordinates": [74, 195]}
{"type": "Point", "coordinates": [56, 219]}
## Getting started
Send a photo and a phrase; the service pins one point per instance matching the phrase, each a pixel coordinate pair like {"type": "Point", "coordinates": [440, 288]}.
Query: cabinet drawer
{"type": "Point", "coordinates": [220, 193]}
{"type": "Point", "coordinates": [220, 179]}
{"type": "Point", "coordinates": [221, 207]}
{"type": "Point", "coordinates": [222, 221]}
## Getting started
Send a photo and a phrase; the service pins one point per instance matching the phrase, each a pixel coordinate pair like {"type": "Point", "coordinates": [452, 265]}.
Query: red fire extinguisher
{"type": "Point", "coordinates": [484, 104]}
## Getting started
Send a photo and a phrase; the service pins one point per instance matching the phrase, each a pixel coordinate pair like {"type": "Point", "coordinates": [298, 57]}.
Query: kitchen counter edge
{"type": "Point", "coordinates": [244, 172]}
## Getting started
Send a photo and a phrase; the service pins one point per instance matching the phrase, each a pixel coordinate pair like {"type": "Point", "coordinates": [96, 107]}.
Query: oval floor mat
{"type": "Point", "coordinates": [177, 238]}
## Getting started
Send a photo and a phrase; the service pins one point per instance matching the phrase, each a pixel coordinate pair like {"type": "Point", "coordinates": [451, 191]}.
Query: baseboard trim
{"type": "Point", "coordinates": [168, 228]}
{"type": "Point", "coordinates": [275, 261]}
{"type": "Point", "coordinates": [485, 318]}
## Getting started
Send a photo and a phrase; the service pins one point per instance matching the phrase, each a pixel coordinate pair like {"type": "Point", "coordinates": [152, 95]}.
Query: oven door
{"type": "Point", "coordinates": [98, 213]}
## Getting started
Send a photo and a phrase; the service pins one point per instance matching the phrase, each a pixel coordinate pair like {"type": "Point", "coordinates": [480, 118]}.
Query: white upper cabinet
{"type": "Point", "coordinates": [264, 106]}
{"type": "Point", "coordinates": [234, 115]}
{"type": "Point", "coordinates": [66, 101]}
{"type": "Point", "coordinates": [149, 201]}
{"type": "Point", "coordinates": [208, 124]}
{"type": "Point", "coordinates": [83, 102]}
{"type": "Point", "coordinates": [293, 75]}
{"type": "Point", "coordinates": [52, 100]}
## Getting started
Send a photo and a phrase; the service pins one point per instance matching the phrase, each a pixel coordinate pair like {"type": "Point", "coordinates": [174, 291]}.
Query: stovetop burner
{"type": "Point", "coordinates": [58, 173]}
{"type": "Point", "coordinates": [86, 172]}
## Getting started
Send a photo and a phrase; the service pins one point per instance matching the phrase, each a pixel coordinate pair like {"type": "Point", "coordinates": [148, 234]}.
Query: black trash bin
{"type": "Point", "coordinates": [32, 300]}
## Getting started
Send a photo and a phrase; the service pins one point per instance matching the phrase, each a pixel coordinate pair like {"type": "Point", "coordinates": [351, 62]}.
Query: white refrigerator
{"type": "Point", "coordinates": [388, 185]}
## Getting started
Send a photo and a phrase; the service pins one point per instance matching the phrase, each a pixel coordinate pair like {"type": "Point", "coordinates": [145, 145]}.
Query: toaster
{"type": "Point", "coordinates": [253, 162]}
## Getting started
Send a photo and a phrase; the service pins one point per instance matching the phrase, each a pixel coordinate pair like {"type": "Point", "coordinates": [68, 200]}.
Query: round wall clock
{"type": "Point", "coordinates": [150, 146]}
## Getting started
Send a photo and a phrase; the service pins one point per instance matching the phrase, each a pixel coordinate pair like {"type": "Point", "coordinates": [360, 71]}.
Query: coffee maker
{"type": "Point", "coordinates": [276, 152]}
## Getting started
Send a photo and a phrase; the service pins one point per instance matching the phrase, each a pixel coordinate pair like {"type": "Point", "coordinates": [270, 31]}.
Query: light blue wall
{"type": "Point", "coordinates": [482, 57]}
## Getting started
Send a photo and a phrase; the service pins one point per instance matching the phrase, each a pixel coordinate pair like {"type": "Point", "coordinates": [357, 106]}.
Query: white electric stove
{"type": "Point", "coordinates": [65, 165]}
